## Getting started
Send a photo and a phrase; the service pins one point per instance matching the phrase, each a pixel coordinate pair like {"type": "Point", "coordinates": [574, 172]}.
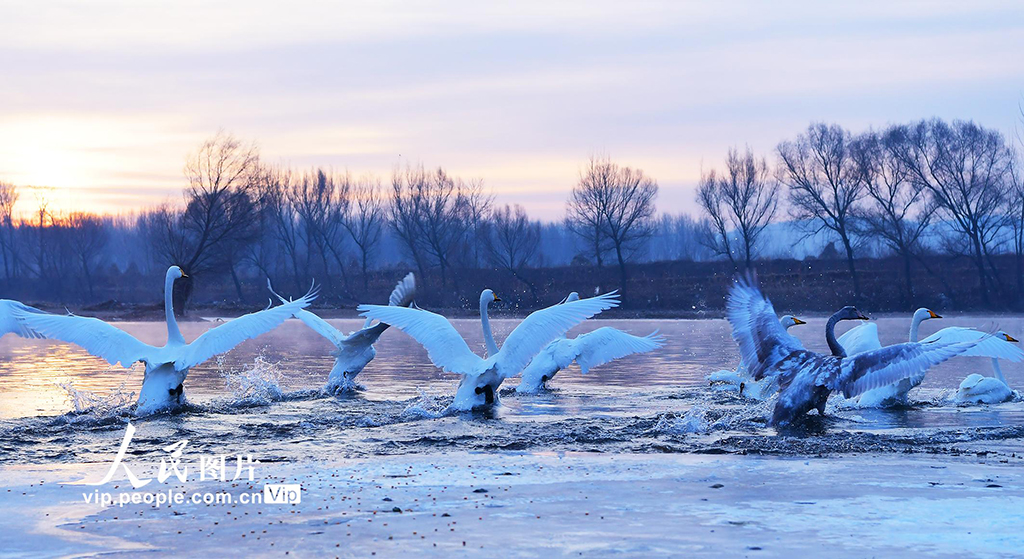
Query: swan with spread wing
{"type": "Point", "coordinates": [354, 351]}
{"type": "Point", "coordinates": [806, 378]}
{"type": "Point", "coordinates": [481, 377]}
{"type": "Point", "coordinates": [740, 379]}
{"type": "Point", "coordinates": [865, 338]}
{"type": "Point", "coordinates": [166, 366]}
{"type": "Point", "coordinates": [589, 350]}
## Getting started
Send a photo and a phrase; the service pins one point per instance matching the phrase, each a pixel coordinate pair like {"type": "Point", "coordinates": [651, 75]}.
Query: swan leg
{"type": "Point", "coordinates": [488, 393]}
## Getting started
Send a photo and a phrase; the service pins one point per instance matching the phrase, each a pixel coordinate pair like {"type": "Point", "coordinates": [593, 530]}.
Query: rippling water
{"type": "Point", "coordinates": [58, 404]}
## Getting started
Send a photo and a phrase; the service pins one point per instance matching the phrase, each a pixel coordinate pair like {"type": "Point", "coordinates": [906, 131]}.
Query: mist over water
{"type": "Point", "coordinates": [57, 404]}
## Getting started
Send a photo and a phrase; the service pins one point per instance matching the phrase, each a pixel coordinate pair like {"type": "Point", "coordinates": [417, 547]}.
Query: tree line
{"type": "Point", "coordinates": [914, 190]}
{"type": "Point", "coordinates": [918, 189]}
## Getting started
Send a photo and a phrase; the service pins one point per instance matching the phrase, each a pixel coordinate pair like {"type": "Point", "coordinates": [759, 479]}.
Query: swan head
{"type": "Point", "coordinates": [788, 321]}
{"type": "Point", "coordinates": [924, 314]}
{"type": "Point", "coordinates": [572, 297]}
{"type": "Point", "coordinates": [1007, 337]}
{"type": "Point", "coordinates": [174, 273]}
{"type": "Point", "coordinates": [850, 312]}
{"type": "Point", "coordinates": [487, 297]}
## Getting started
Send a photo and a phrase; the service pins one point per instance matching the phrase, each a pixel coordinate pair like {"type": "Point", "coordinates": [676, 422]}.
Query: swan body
{"type": "Point", "coordinates": [9, 323]}
{"type": "Point", "coordinates": [354, 351]}
{"type": "Point", "coordinates": [166, 366]}
{"type": "Point", "coordinates": [865, 338]}
{"type": "Point", "coordinates": [740, 379]}
{"type": "Point", "coordinates": [481, 377]}
{"type": "Point", "coordinates": [806, 378]}
{"type": "Point", "coordinates": [978, 389]}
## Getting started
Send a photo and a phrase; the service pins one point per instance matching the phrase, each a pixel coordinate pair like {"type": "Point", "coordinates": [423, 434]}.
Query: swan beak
{"type": "Point", "coordinates": [497, 299]}
{"type": "Point", "coordinates": [931, 314]}
{"type": "Point", "coordinates": [797, 321]}
{"type": "Point", "coordinates": [1010, 338]}
{"type": "Point", "coordinates": [184, 275]}
{"type": "Point", "coordinates": [862, 316]}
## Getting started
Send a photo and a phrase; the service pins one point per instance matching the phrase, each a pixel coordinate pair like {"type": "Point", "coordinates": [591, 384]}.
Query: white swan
{"type": "Point", "coordinates": [740, 379]}
{"type": "Point", "coordinates": [865, 338]}
{"type": "Point", "coordinates": [9, 323]}
{"type": "Point", "coordinates": [481, 377]}
{"type": "Point", "coordinates": [167, 366]}
{"type": "Point", "coordinates": [590, 350]}
{"type": "Point", "coordinates": [354, 351]}
{"type": "Point", "coordinates": [806, 378]}
{"type": "Point", "coordinates": [978, 389]}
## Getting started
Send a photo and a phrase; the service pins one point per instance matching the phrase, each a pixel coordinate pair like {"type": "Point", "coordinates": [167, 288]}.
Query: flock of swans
{"type": "Point", "coordinates": [772, 361]}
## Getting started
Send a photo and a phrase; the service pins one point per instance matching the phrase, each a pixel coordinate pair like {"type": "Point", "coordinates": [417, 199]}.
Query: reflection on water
{"type": "Point", "coordinates": [647, 401]}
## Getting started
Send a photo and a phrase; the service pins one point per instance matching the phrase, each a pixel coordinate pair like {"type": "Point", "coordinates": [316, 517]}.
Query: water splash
{"type": "Point", "coordinates": [256, 384]}
{"type": "Point", "coordinates": [115, 403]}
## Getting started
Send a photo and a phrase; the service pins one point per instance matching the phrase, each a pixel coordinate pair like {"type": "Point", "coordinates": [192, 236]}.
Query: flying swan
{"type": "Point", "coordinates": [590, 350]}
{"type": "Point", "coordinates": [865, 338]}
{"type": "Point", "coordinates": [167, 366]}
{"type": "Point", "coordinates": [740, 379]}
{"type": "Point", "coordinates": [481, 377]}
{"type": "Point", "coordinates": [354, 351]}
{"type": "Point", "coordinates": [806, 378]}
{"type": "Point", "coordinates": [978, 389]}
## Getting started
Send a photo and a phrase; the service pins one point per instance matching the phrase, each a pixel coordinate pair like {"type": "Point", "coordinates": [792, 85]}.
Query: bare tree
{"type": "Point", "coordinates": [512, 242]}
{"type": "Point", "coordinates": [87, 237]}
{"type": "Point", "coordinates": [742, 201]}
{"type": "Point", "coordinates": [365, 221]}
{"type": "Point", "coordinates": [8, 243]}
{"type": "Point", "coordinates": [967, 170]}
{"type": "Point", "coordinates": [898, 211]}
{"type": "Point", "coordinates": [823, 184]}
{"type": "Point", "coordinates": [220, 215]}
{"type": "Point", "coordinates": [613, 206]}
{"type": "Point", "coordinates": [321, 202]}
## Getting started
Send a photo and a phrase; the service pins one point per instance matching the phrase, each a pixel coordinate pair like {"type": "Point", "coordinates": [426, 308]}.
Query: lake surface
{"type": "Point", "coordinates": [59, 404]}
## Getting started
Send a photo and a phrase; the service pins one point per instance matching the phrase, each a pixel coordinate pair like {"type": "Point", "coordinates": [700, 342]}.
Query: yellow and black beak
{"type": "Point", "coordinates": [496, 298]}
{"type": "Point", "coordinates": [184, 275]}
{"type": "Point", "coordinates": [932, 314]}
{"type": "Point", "coordinates": [862, 316]}
{"type": "Point", "coordinates": [797, 321]}
{"type": "Point", "coordinates": [1010, 338]}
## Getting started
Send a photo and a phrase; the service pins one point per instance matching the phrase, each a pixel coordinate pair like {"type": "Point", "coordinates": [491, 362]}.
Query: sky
{"type": "Point", "coordinates": [102, 101]}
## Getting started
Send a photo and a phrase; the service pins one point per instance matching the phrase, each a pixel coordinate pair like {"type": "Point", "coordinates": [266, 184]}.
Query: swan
{"type": "Point", "coordinates": [740, 379]}
{"type": "Point", "coordinates": [806, 378]}
{"type": "Point", "coordinates": [865, 338]}
{"type": "Point", "coordinates": [978, 389]}
{"type": "Point", "coordinates": [354, 351]}
{"type": "Point", "coordinates": [9, 323]}
{"type": "Point", "coordinates": [481, 377]}
{"type": "Point", "coordinates": [593, 349]}
{"type": "Point", "coordinates": [167, 366]}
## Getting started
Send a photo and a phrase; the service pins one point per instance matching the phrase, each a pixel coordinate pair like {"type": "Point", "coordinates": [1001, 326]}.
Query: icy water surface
{"type": "Point", "coordinates": [58, 404]}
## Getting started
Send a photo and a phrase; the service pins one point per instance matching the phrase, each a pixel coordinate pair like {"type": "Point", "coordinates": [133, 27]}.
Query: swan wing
{"type": "Point", "coordinates": [861, 338]}
{"type": "Point", "coordinates": [91, 334]}
{"type": "Point", "coordinates": [445, 346]}
{"type": "Point", "coordinates": [404, 292]}
{"type": "Point", "coordinates": [762, 340]}
{"type": "Point", "coordinates": [882, 367]}
{"type": "Point", "coordinates": [233, 332]}
{"type": "Point", "coordinates": [545, 325]}
{"type": "Point", "coordinates": [987, 345]}
{"type": "Point", "coordinates": [9, 323]}
{"type": "Point", "coordinates": [608, 344]}
{"type": "Point", "coordinates": [320, 326]}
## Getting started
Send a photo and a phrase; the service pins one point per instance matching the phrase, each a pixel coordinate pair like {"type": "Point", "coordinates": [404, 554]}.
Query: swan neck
{"type": "Point", "coordinates": [173, 333]}
{"type": "Point", "coordinates": [492, 348]}
{"type": "Point", "coordinates": [915, 325]}
{"type": "Point", "coordinates": [998, 371]}
{"type": "Point", "coordinates": [830, 337]}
